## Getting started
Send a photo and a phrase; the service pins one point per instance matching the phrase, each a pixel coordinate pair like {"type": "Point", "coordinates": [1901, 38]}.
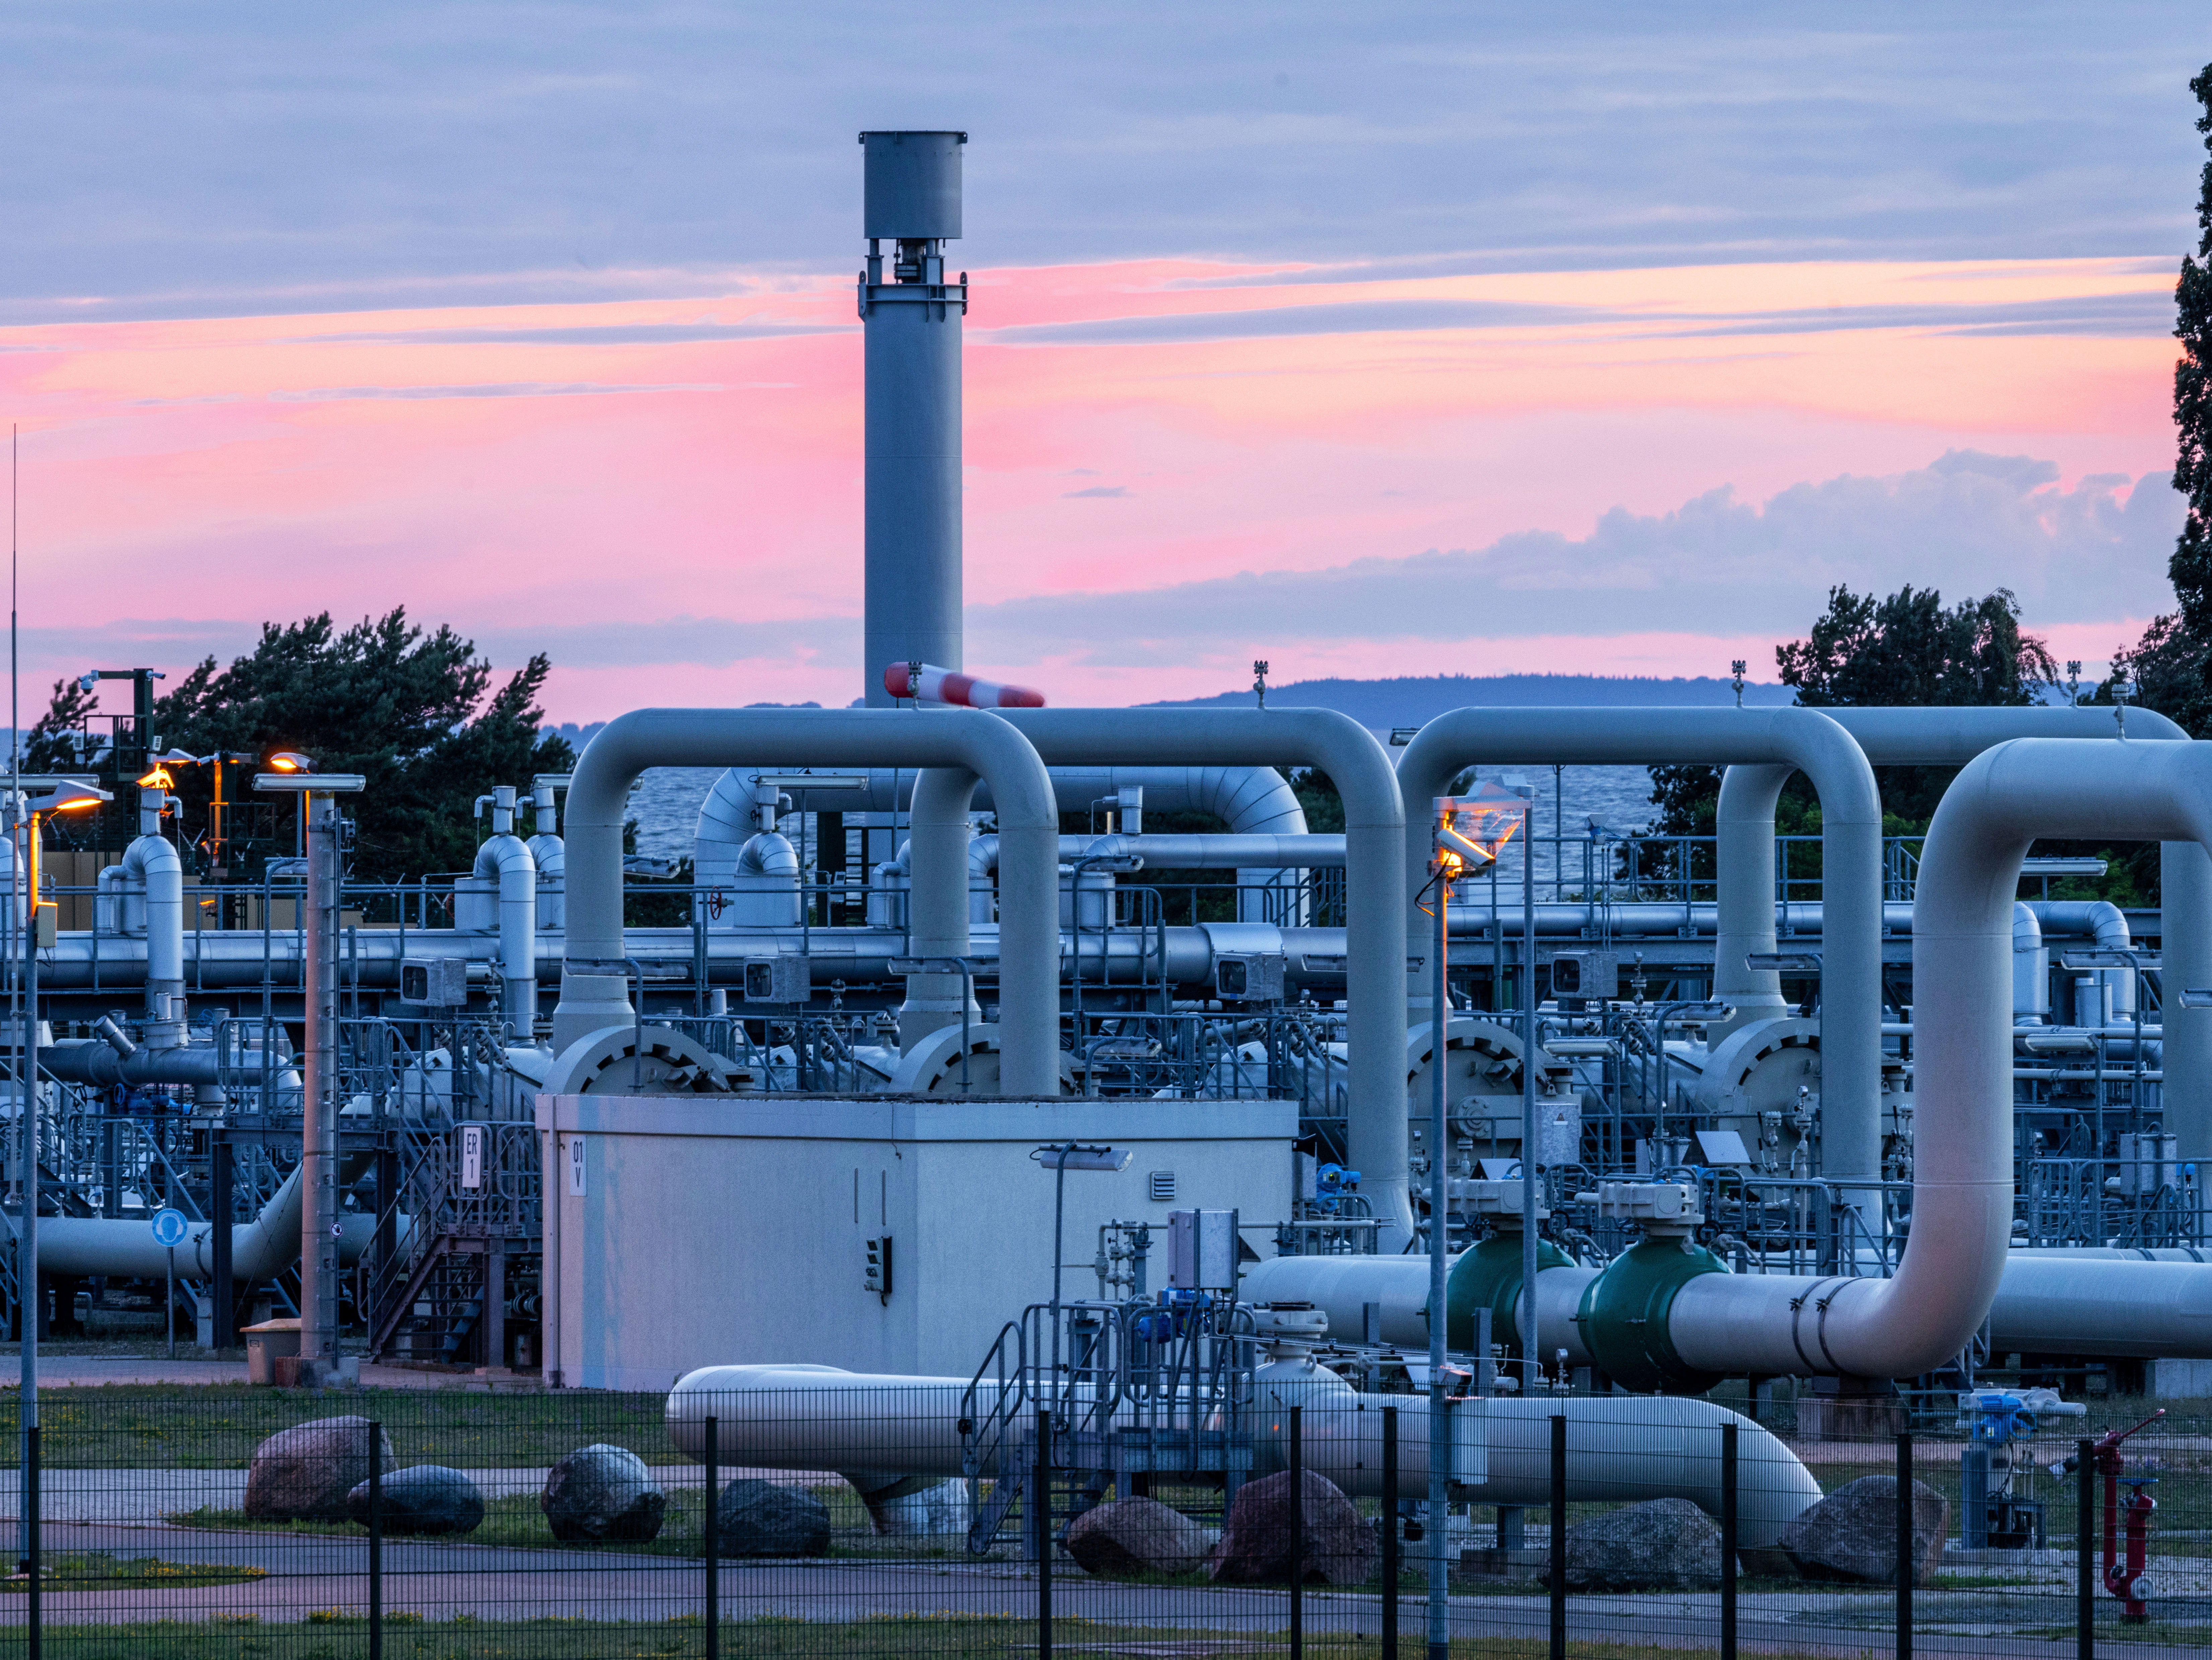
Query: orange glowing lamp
{"type": "Point", "coordinates": [1473, 829]}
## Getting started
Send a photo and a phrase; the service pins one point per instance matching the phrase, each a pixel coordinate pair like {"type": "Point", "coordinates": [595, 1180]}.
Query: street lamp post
{"type": "Point", "coordinates": [319, 1116]}
{"type": "Point", "coordinates": [1469, 828]}
{"type": "Point", "coordinates": [30, 1299]}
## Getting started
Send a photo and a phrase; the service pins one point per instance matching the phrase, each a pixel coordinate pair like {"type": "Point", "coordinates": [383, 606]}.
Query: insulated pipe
{"type": "Point", "coordinates": [2031, 968]}
{"type": "Point", "coordinates": [1962, 973]}
{"type": "Point", "coordinates": [1028, 828]}
{"type": "Point", "coordinates": [938, 909]}
{"type": "Point", "coordinates": [2104, 996]}
{"type": "Point", "coordinates": [1851, 818]}
{"type": "Point", "coordinates": [1744, 920]}
{"type": "Point", "coordinates": [911, 331]}
{"type": "Point", "coordinates": [123, 1248]}
{"type": "Point", "coordinates": [1953, 736]}
{"type": "Point", "coordinates": [1190, 852]}
{"type": "Point", "coordinates": [1251, 800]}
{"type": "Point", "coordinates": [2102, 1305]}
{"type": "Point", "coordinates": [1374, 881]}
{"type": "Point", "coordinates": [810, 1418]}
{"type": "Point", "coordinates": [152, 864]}
{"type": "Point", "coordinates": [505, 858]}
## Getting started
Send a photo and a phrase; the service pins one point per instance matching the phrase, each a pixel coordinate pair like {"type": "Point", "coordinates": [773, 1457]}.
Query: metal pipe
{"type": "Point", "coordinates": [123, 1248]}
{"type": "Point", "coordinates": [507, 859]}
{"type": "Point", "coordinates": [319, 1124]}
{"type": "Point", "coordinates": [150, 863]}
{"type": "Point", "coordinates": [1851, 818]}
{"type": "Point", "coordinates": [1374, 836]}
{"type": "Point", "coordinates": [1251, 800]}
{"type": "Point", "coordinates": [1962, 1192]}
{"type": "Point", "coordinates": [812, 1418]}
{"type": "Point", "coordinates": [1743, 917]}
{"type": "Point", "coordinates": [938, 911]}
{"type": "Point", "coordinates": [988, 744]}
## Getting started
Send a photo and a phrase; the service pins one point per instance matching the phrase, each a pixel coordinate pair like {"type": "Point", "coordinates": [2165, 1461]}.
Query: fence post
{"type": "Point", "coordinates": [1390, 1568]}
{"type": "Point", "coordinates": [714, 1540]}
{"type": "Point", "coordinates": [376, 1540]}
{"type": "Point", "coordinates": [2085, 1552]}
{"type": "Point", "coordinates": [33, 1618]}
{"type": "Point", "coordinates": [1298, 1534]}
{"type": "Point", "coordinates": [1727, 1541]}
{"type": "Point", "coordinates": [1041, 1527]}
{"type": "Point", "coordinates": [1559, 1537]}
{"type": "Point", "coordinates": [1905, 1564]}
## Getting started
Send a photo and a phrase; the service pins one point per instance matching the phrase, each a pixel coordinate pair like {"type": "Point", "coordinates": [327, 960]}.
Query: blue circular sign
{"type": "Point", "coordinates": [170, 1227]}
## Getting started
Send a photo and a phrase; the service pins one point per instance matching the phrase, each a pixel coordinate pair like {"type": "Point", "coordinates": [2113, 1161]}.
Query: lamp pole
{"type": "Point", "coordinates": [1532, 1355]}
{"type": "Point", "coordinates": [1439, 1319]}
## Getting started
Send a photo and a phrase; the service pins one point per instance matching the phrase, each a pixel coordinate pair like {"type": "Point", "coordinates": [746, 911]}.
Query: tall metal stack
{"type": "Point", "coordinates": [912, 317]}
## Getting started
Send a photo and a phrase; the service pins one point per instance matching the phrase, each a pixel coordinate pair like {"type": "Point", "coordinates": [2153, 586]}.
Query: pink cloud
{"type": "Point", "coordinates": [534, 472]}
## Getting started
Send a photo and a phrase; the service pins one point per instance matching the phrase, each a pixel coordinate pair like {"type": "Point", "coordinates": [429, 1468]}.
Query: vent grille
{"type": "Point", "coordinates": [1162, 1186]}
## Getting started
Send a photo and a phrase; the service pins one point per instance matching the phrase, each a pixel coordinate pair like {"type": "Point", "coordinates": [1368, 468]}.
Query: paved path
{"type": "Point", "coordinates": [442, 1580]}
{"type": "Point", "coordinates": [89, 1370]}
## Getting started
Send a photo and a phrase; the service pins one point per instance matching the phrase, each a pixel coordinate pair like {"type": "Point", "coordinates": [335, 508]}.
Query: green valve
{"type": "Point", "coordinates": [1489, 1277]}
{"type": "Point", "coordinates": [1623, 1316]}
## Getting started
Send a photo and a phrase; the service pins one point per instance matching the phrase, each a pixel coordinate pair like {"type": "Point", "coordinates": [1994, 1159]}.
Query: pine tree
{"type": "Point", "coordinates": [2172, 664]}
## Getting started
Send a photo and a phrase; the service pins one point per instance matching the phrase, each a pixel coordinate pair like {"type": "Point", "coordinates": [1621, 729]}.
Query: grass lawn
{"type": "Point", "coordinates": [98, 1571]}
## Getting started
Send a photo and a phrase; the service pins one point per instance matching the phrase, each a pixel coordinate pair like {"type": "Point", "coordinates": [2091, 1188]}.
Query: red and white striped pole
{"type": "Point", "coordinates": [925, 682]}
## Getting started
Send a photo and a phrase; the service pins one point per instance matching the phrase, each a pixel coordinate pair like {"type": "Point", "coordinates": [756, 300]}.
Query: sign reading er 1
{"type": "Point", "coordinates": [472, 1149]}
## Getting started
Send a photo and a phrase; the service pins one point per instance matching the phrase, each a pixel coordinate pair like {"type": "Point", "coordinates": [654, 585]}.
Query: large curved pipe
{"type": "Point", "coordinates": [1851, 818]}
{"type": "Point", "coordinates": [1374, 840]}
{"type": "Point", "coordinates": [151, 867]}
{"type": "Point", "coordinates": [937, 912]}
{"type": "Point", "coordinates": [794, 1417]}
{"type": "Point", "coordinates": [123, 1248]}
{"type": "Point", "coordinates": [1029, 827]}
{"type": "Point", "coordinates": [1952, 738]}
{"type": "Point", "coordinates": [1962, 1187]}
{"type": "Point", "coordinates": [507, 860]}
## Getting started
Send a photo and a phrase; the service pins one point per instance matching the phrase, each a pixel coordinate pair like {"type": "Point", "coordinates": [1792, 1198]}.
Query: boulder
{"type": "Point", "coordinates": [423, 1499]}
{"type": "Point", "coordinates": [1132, 1537]}
{"type": "Point", "coordinates": [305, 1473]}
{"type": "Point", "coordinates": [1851, 1534]}
{"type": "Point", "coordinates": [601, 1493]}
{"type": "Point", "coordinates": [759, 1518]}
{"type": "Point", "coordinates": [1341, 1548]}
{"type": "Point", "coordinates": [1662, 1544]}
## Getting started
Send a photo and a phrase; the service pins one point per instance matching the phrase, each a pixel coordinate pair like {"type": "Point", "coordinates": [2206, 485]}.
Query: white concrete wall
{"type": "Point", "coordinates": [732, 1232]}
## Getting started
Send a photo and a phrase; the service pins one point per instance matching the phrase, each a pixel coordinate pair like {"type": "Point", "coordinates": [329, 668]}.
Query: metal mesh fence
{"type": "Point", "coordinates": [863, 1520]}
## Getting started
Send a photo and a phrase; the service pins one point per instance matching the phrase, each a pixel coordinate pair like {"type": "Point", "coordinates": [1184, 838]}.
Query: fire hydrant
{"type": "Point", "coordinates": [2126, 1581]}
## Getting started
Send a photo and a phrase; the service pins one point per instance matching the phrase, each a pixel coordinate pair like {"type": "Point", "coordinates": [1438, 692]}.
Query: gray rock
{"type": "Point", "coordinates": [602, 1492]}
{"type": "Point", "coordinates": [1851, 1534]}
{"type": "Point", "coordinates": [759, 1518]}
{"type": "Point", "coordinates": [1662, 1544]}
{"type": "Point", "coordinates": [1341, 1548]}
{"type": "Point", "coordinates": [305, 1473]}
{"type": "Point", "coordinates": [1132, 1537]}
{"type": "Point", "coordinates": [423, 1499]}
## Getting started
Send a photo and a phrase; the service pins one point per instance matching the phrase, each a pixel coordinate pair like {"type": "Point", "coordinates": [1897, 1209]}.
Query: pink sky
{"type": "Point", "coordinates": [669, 505]}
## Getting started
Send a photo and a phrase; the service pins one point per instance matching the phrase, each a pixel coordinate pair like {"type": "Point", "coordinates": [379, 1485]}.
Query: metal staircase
{"type": "Point", "coordinates": [1131, 1393]}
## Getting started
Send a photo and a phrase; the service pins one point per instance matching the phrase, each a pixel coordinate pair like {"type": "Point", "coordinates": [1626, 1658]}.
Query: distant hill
{"type": "Point", "coordinates": [1412, 699]}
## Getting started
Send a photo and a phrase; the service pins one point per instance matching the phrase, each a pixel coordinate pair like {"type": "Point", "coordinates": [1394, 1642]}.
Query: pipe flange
{"type": "Point", "coordinates": [1624, 1312]}
{"type": "Point", "coordinates": [1489, 1277]}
